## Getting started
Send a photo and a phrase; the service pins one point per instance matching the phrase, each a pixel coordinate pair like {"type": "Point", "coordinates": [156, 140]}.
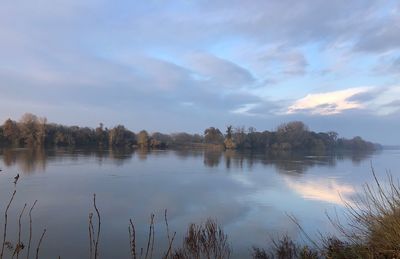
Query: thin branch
{"type": "Point", "coordinates": [132, 239]}
{"type": "Point", "coordinates": [170, 246]}
{"type": "Point", "coordinates": [98, 227]}
{"type": "Point", "coordinates": [19, 245]}
{"type": "Point", "coordinates": [40, 242]}
{"type": "Point", "coordinates": [91, 241]}
{"type": "Point", "coordinates": [152, 241]}
{"type": "Point", "coordinates": [30, 228]}
{"type": "Point", "coordinates": [166, 223]}
{"type": "Point", "coordinates": [92, 228]}
{"type": "Point", "coordinates": [5, 224]}
{"type": "Point", "coordinates": [150, 234]}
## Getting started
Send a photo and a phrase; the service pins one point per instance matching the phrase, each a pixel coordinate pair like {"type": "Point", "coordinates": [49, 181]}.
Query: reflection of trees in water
{"type": "Point", "coordinates": [28, 160]}
{"type": "Point", "coordinates": [9, 157]}
{"type": "Point", "coordinates": [298, 163]}
{"type": "Point", "coordinates": [356, 157]}
{"type": "Point", "coordinates": [285, 161]}
{"type": "Point", "coordinates": [212, 157]}
{"type": "Point", "coordinates": [117, 156]}
{"type": "Point", "coordinates": [188, 153]}
{"type": "Point", "coordinates": [234, 159]}
{"type": "Point", "coordinates": [142, 154]}
{"type": "Point", "coordinates": [32, 160]}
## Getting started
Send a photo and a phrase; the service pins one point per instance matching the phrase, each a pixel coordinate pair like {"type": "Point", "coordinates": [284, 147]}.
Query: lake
{"type": "Point", "coordinates": [249, 194]}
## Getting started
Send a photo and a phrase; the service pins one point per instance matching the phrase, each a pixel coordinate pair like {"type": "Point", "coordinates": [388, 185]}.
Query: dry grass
{"type": "Point", "coordinates": [285, 248]}
{"type": "Point", "coordinates": [372, 229]}
{"type": "Point", "coordinates": [5, 224]}
{"type": "Point", "coordinates": [18, 247]}
{"type": "Point", "coordinates": [374, 220]}
{"type": "Point", "coordinates": [204, 241]}
{"type": "Point", "coordinates": [201, 241]}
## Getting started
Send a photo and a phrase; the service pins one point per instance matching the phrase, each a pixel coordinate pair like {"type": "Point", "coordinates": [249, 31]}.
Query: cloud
{"type": "Point", "coordinates": [160, 74]}
{"type": "Point", "coordinates": [388, 65]}
{"type": "Point", "coordinates": [301, 20]}
{"type": "Point", "coordinates": [385, 103]}
{"type": "Point", "coordinates": [395, 103]}
{"type": "Point", "coordinates": [395, 66]}
{"type": "Point", "coordinates": [285, 61]}
{"type": "Point", "coordinates": [193, 25]}
{"type": "Point", "coordinates": [221, 72]}
{"type": "Point", "coordinates": [382, 36]}
{"type": "Point", "coordinates": [148, 86]}
{"type": "Point", "coordinates": [369, 95]}
{"type": "Point", "coordinates": [328, 103]}
{"type": "Point", "coordinates": [187, 64]}
{"type": "Point", "coordinates": [261, 108]}
{"type": "Point", "coordinates": [245, 109]}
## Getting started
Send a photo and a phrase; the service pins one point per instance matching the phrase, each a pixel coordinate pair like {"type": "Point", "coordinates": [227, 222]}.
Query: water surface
{"type": "Point", "coordinates": [249, 194]}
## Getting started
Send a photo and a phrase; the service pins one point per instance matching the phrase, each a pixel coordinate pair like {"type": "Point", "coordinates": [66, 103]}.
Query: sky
{"type": "Point", "coordinates": [184, 65]}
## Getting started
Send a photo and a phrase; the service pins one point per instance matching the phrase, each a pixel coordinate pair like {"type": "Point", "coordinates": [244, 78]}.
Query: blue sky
{"type": "Point", "coordinates": [185, 65]}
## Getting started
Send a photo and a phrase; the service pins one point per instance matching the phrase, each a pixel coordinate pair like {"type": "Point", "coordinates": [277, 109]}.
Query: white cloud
{"type": "Point", "coordinates": [329, 103]}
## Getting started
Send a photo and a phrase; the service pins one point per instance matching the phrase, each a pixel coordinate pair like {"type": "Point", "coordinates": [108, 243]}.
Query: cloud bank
{"type": "Point", "coordinates": [189, 65]}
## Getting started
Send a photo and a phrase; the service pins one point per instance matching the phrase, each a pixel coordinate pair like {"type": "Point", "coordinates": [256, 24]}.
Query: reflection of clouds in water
{"type": "Point", "coordinates": [249, 195]}
{"type": "Point", "coordinates": [257, 227]}
{"type": "Point", "coordinates": [242, 179]}
{"type": "Point", "coordinates": [327, 190]}
{"type": "Point", "coordinates": [190, 197]}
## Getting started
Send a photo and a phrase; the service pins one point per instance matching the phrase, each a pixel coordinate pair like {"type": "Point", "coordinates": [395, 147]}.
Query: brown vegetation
{"type": "Point", "coordinates": [372, 230]}
{"type": "Point", "coordinates": [15, 249]}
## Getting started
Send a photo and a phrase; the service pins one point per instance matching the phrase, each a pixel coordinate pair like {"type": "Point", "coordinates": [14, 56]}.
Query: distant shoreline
{"type": "Point", "coordinates": [34, 131]}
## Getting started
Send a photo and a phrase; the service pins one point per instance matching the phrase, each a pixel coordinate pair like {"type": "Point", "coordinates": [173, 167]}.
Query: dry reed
{"type": "Point", "coordinates": [5, 224]}
{"type": "Point", "coordinates": [40, 243]}
{"type": "Point", "coordinates": [30, 229]}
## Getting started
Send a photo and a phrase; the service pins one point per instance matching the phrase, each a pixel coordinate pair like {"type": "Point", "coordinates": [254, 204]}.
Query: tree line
{"type": "Point", "coordinates": [34, 131]}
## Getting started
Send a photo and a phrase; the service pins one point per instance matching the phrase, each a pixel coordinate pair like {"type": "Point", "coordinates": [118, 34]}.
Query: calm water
{"type": "Point", "coordinates": [250, 195]}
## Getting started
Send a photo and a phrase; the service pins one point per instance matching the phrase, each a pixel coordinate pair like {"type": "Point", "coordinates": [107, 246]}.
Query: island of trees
{"type": "Point", "coordinates": [34, 131]}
